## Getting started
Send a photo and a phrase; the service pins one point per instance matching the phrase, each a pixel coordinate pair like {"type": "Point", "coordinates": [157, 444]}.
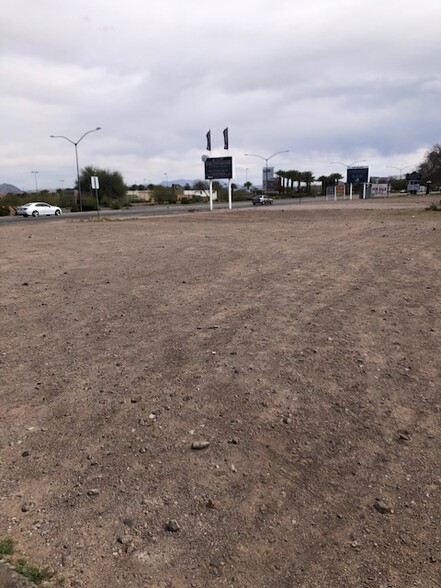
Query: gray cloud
{"type": "Point", "coordinates": [329, 80]}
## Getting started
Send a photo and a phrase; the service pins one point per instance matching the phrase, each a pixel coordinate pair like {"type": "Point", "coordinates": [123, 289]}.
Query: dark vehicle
{"type": "Point", "coordinates": [261, 200]}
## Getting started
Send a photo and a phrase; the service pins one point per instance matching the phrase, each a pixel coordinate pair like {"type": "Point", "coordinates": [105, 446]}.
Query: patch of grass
{"type": "Point", "coordinates": [33, 573]}
{"type": "Point", "coordinates": [39, 576]}
{"type": "Point", "coordinates": [6, 547]}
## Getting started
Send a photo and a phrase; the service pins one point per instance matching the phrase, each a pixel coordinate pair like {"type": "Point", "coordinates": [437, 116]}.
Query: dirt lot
{"type": "Point", "coordinates": [246, 399]}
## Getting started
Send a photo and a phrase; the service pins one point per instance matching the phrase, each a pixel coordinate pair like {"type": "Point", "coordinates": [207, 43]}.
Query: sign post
{"type": "Point", "coordinates": [217, 168]}
{"type": "Point", "coordinates": [95, 186]}
{"type": "Point", "coordinates": [356, 175]}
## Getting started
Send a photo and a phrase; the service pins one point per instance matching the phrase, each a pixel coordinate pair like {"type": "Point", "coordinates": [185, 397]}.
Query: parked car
{"type": "Point", "coordinates": [38, 209]}
{"type": "Point", "coordinates": [261, 200]}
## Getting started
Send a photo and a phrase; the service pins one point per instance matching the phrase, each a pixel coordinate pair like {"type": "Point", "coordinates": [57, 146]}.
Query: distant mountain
{"type": "Point", "coordinates": [9, 189]}
{"type": "Point", "coordinates": [179, 182]}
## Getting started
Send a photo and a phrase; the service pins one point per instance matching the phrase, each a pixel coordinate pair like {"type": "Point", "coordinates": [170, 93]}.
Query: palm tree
{"type": "Point", "coordinates": [247, 186]}
{"type": "Point", "coordinates": [282, 176]}
{"type": "Point", "coordinates": [292, 176]}
{"type": "Point", "coordinates": [308, 178]}
{"type": "Point", "coordinates": [323, 180]}
{"type": "Point", "coordinates": [334, 178]}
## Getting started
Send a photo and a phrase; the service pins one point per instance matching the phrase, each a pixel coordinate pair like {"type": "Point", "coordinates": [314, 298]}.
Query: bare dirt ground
{"type": "Point", "coordinates": [245, 399]}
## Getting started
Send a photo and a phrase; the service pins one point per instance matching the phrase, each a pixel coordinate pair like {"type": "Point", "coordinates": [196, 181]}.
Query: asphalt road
{"type": "Point", "coordinates": [156, 210]}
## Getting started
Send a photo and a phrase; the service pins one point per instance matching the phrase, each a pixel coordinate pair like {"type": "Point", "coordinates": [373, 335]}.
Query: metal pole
{"type": "Point", "coordinates": [36, 183]}
{"type": "Point", "coordinates": [211, 194]}
{"type": "Point", "coordinates": [75, 144]}
{"type": "Point", "coordinates": [266, 176]}
{"type": "Point", "coordinates": [266, 159]}
{"type": "Point", "coordinates": [80, 199]}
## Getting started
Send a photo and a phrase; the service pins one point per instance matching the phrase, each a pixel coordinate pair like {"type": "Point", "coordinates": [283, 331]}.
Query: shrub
{"type": "Point", "coordinates": [6, 547]}
{"type": "Point", "coordinates": [36, 575]}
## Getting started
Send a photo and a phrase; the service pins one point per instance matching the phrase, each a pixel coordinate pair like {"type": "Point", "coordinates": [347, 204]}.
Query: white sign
{"type": "Point", "coordinates": [379, 189]}
{"type": "Point", "coordinates": [94, 182]}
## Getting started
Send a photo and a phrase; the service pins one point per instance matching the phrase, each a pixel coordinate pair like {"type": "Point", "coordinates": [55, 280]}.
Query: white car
{"type": "Point", "coordinates": [38, 209]}
{"type": "Point", "coordinates": [261, 200]}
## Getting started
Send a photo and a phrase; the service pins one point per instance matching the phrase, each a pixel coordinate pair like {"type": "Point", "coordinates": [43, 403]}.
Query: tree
{"type": "Point", "coordinates": [291, 177]}
{"type": "Point", "coordinates": [333, 179]}
{"type": "Point", "coordinates": [283, 179]}
{"type": "Point", "coordinates": [247, 186]}
{"type": "Point", "coordinates": [200, 185]}
{"type": "Point", "coordinates": [295, 175]}
{"type": "Point", "coordinates": [323, 179]}
{"type": "Point", "coordinates": [430, 169]}
{"type": "Point", "coordinates": [163, 194]}
{"type": "Point", "coordinates": [112, 187]}
{"type": "Point", "coordinates": [308, 178]}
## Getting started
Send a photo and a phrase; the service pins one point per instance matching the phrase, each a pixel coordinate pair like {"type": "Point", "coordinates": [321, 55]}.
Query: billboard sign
{"type": "Point", "coordinates": [357, 175]}
{"type": "Point", "coordinates": [218, 168]}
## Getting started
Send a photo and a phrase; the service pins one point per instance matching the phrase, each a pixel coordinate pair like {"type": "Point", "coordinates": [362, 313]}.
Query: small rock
{"type": "Point", "coordinates": [26, 454]}
{"type": "Point", "coordinates": [93, 492]}
{"type": "Point", "coordinates": [172, 526]}
{"type": "Point", "coordinates": [382, 507]}
{"type": "Point", "coordinates": [27, 506]}
{"type": "Point", "coordinates": [125, 539]}
{"type": "Point", "coordinates": [200, 445]}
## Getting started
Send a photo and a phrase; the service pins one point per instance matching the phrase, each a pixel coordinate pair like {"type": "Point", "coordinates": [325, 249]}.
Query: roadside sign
{"type": "Point", "coordinates": [217, 168]}
{"type": "Point", "coordinates": [340, 190]}
{"type": "Point", "coordinates": [357, 175]}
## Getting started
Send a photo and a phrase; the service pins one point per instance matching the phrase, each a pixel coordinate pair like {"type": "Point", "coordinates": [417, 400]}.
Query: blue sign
{"type": "Point", "coordinates": [217, 168]}
{"type": "Point", "coordinates": [357, 175]}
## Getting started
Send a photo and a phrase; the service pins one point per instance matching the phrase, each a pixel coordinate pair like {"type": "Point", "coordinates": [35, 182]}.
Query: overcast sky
{"type": "Point", "coordinates": [328, 80]}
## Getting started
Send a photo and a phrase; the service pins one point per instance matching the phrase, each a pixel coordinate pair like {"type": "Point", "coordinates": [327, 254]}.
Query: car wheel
{"type": "Point", "coordinates": [57, 212]}
{"type": "Point", "coordinates": [35, 213]}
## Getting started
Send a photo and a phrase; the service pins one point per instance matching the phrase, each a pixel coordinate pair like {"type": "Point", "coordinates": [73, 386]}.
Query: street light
{"type": "Point", "coordinates": [266, 159]}
{"type": "Point", "coordinates": [36, 183]}
{"type": "Point", "coordinates": [400, 169]}
{"type": "Point", "coordinates": [75, 144]}
{"type": "Point", "coordinates": [347, 166]}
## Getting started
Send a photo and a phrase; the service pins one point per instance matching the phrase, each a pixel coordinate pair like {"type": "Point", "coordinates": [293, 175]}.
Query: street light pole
{"type": "Point", "coordinates": [400, 169]}
{"type": "Point", "coordinates": [347, 166]}
{"type": "Point", "coordinates": [36, 183]}
{"type": "Point", "coordinates": [266, 159]}
{"type": "Point", "coordinates": [75, 144]}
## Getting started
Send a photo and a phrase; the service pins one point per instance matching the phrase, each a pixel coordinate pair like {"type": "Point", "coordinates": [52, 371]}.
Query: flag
{"type": "Point", "coordinates": [209, 141]}
{"type": "Point", "coordinates": [226, 138]}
